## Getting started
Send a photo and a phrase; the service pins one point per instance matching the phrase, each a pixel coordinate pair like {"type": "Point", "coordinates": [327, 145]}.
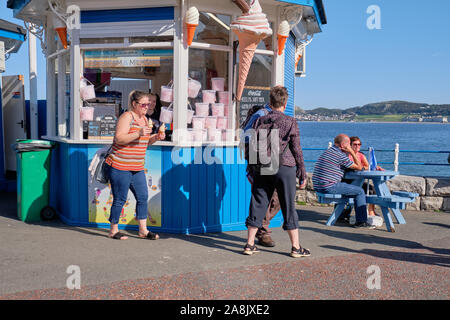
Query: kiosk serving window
{"type": "Point", "coordinates": [209, 85]}
{"type": "Point", "coordinates": [116, 71]}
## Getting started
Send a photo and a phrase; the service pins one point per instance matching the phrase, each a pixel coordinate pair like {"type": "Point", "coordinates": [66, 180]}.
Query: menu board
{"type": "Point", "coordinates": [252, 96]}
{"type": "Point", "coordinates": [103, 129]}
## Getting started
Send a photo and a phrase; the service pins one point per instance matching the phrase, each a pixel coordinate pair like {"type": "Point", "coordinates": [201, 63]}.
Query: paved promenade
{"type": "Point", "coordinates": [413, 263]}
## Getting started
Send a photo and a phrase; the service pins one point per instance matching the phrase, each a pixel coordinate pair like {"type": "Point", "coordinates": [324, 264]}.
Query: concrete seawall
{"type": "Point", "coordinates": [434, 192]}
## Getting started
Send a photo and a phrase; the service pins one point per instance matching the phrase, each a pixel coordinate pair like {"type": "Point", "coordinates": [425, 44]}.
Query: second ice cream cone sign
{"type": "Point", "coordinates": [191, 21]}
{"type": "Point", "coordinates": [297, 59]}
{"type": "Point", "coordinates": [61, 30]}
{"type": "Point", "coordinates": [298, 56]}
{"type": "Point", "coordinates": [251, 27]}
{"type": "Point", "coordinates": [283, 34]}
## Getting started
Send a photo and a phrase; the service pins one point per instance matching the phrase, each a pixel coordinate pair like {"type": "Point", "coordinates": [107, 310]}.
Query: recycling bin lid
{"type": "Point", "coordinates": [34, 141]}
{"type": "Point", "coordinates": [25, 145]}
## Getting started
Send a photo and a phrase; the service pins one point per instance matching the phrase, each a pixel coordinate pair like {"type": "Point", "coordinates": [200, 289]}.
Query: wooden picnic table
{"type": "Point", "coordinates": [394, 201]}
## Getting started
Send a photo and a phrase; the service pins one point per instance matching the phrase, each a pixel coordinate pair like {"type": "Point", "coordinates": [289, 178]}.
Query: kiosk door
{"type": "Point", "coordinates": [14, 126]}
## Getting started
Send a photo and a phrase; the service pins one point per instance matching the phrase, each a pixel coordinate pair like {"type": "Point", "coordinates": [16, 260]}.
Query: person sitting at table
{"type": "Point", "coordinates": [329, 171]}
{"type": "Point", "coordinates": [355, 143]}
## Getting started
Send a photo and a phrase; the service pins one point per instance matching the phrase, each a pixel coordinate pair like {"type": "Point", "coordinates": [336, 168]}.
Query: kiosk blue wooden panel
{"type": "Point", "coordinates": [195, 197]}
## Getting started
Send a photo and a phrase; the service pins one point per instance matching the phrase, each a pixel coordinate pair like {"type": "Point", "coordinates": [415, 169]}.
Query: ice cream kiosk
{"type": "Point", "coordinates": [209, 61]}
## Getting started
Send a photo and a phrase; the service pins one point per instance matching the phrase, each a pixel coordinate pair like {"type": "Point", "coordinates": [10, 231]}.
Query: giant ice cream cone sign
{"type": "Point", "coordinates": [283, 34]}
{"type": "Point", "coordinates": [247, 46]}
{"type": "Point", "coordinates": [60, 29]}
{"type": "Point", "coordinates": [250, 28]}
{"type": "Point", "coordinates": [297, 59]}
{"type": "Point", "coordinates": [191, 21]}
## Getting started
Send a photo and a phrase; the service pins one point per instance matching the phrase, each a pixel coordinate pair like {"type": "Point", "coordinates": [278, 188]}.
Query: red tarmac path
{"type": "Point", "coordinates": [413, 262]}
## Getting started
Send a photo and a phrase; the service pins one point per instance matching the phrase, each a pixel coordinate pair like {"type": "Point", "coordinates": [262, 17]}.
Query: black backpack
{"type": "Point", "coordinates": [260, 147]}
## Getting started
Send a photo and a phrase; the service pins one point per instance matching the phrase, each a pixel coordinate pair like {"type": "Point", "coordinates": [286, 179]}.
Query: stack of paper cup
{"type": "Point", "coordinates": [187, 135]}
{"type": "Point", "coordinates": [87, 113]}
{"type": "Point", "coordinates": [166, 115]}
{"type": "Point", "coordinates": [224, 97]}
{"type": "Point", "coordinates": [202, 109]}
{"type": "Point", "coordinates": [221, 123]}
{"type": "Point", "coordinates": [214, 134]}
{"type": "Point", "coordinates": [210, 122]}
{"type": "Point", "coordinates": [166, 94]}
{"type": "Point", "coordinates": [199, 135]}
{"type": "Point", "coordinates": [193, 88]}
{"type": "Point", "coordinates": [218, 84]}
{"type": "Point", "coordinates": [190, 114]}
{"type": "Point", "coordinates": [198, 122]}
{"type": "Point", "coordinates": [217, 109]}
{"type": "Point", "coordinates": [209, 96]}
{"type": "Point", "coordinates": [227, 135]}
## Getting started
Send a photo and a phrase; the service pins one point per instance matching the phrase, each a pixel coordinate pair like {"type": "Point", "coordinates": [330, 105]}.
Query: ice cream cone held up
{"type": "Point", "coordinates": [191, 22]}
{"type": "Point", "coordinates": [283, 34]}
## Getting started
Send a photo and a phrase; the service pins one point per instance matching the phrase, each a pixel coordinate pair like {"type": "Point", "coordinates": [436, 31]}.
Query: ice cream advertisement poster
{"type": "Point", "coordinates": [101, 198]}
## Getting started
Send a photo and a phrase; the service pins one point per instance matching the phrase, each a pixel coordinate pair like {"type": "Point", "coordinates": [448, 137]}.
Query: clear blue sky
{"type": "Point", "coordinates": [18, 62]}
{"type": "Point", "coordinates": [349, 65]}
{"type": "Point", "coordinates": [407, 59]}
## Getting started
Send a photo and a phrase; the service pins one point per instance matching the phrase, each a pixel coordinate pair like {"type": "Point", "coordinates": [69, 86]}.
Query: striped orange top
{"type": "Point", "coordinates": [129, 157]}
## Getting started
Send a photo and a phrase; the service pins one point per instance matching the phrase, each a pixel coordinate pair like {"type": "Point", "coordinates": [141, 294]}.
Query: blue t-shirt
{"type": "Point", "coordinates": [330, 168]}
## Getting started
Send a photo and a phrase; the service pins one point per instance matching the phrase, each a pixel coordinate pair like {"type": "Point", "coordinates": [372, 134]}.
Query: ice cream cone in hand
{"type": "Point", "coordinates": [283, 34]}
{"type": "Point", "coordinates": [162, 132]}
{"type": "Point", "coordinates": [191, 21]}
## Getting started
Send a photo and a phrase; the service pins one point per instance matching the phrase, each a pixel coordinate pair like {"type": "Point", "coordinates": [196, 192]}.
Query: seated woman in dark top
{"type": "Point", "coordinates": [154, 111]}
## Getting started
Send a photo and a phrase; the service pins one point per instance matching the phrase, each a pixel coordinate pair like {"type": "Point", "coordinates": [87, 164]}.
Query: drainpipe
{"type": "Point", "coordinates": [33, 85]}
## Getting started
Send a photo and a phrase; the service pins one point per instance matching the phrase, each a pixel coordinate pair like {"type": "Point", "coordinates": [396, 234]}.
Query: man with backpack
{"type": "Point", "coordinates": [263, 233]}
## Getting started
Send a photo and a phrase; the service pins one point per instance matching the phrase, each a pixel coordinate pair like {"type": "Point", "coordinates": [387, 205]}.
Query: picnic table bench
{"type": "Point", "coordinates": [394, 201]}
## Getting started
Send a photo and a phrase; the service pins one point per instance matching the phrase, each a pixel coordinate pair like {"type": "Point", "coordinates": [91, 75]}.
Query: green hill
{"type": "Point", "coordinates": [386, 108]}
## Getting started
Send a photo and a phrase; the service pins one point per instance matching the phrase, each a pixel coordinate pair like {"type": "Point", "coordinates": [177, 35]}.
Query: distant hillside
{"type": "Point", "coordinates": [384, 108]}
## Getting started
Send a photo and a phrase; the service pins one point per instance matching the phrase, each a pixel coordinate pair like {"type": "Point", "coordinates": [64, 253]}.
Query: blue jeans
{"type": "Point", "coordinates": [352, 191]}
{"type": "Point", "coordinates": [121, 182]}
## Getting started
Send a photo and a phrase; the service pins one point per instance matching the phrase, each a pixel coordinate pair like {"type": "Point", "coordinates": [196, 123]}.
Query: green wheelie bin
{"type": "Point", "coordinates": [33, 180]}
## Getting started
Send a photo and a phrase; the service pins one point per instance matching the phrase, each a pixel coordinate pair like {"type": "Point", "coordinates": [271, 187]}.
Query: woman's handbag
{"type": "Point", "coordinates": [98, 167]}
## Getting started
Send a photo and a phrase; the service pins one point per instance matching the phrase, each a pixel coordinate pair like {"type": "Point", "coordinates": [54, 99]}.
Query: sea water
{"type": "Point", "coordinates": [384, 136]}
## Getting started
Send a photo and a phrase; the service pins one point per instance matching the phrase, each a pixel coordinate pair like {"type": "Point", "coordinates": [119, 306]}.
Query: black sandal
{"type": "Point", "coordinates": [150, 235]}
{"type": "Point", "coordinates": [300, 252]}
{"type": "Point", "coordinates": [118, 236]}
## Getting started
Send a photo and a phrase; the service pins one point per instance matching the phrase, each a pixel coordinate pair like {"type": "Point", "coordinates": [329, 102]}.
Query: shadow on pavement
{"type": "Point", "coordinates": [440, 258]}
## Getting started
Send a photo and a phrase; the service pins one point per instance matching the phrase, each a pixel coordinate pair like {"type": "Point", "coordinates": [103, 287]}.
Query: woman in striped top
{"type": "Point", "coordinates": [126, 163]}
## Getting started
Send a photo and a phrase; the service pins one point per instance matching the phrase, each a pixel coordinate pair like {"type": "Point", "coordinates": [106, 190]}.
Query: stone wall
{"type": "Point", "coordinates": [434, 192]}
